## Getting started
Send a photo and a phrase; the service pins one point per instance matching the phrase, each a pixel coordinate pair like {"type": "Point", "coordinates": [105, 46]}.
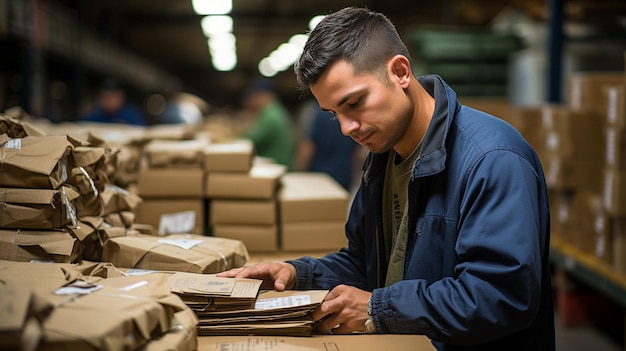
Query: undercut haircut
{"type": "Point", "coordinates": [364, 38]}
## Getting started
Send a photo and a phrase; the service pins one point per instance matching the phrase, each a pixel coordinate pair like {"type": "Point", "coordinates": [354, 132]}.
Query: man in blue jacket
{"type": "Point", "coordinates": [449, 231]}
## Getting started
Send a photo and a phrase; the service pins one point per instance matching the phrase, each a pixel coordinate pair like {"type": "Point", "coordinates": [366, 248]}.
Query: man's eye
{"type": "Point", "coordinates": [355, 103]}
{"type": "Point", "coordinates": [333, 115]}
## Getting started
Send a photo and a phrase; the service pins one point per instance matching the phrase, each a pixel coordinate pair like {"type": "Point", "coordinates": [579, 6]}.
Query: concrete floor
{"type": "Point", "coordinates": [586, 338]}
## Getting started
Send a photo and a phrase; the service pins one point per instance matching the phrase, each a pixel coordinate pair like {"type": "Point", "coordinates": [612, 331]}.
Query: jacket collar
{"type": "Point", "coordinates": [433, 155]}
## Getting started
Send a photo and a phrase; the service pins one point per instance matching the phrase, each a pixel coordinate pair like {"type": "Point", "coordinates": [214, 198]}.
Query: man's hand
{"type": "Point", "coordinates": [343, 311]}
{"type": "Point", "coordinates": [275, 275]}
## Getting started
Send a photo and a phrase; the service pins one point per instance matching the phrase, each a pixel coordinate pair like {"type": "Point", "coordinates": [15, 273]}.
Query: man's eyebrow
{"type": "Point", "coordinates": [343, 100]}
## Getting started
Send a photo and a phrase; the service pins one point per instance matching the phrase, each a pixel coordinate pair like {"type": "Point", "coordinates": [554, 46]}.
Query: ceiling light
{"type": "Point", "coordinates": [212, 7]}
{"type": "Point", "coordinates": [224, 60]}
{"type": "Point", "coordinates": [222, 42]}
{"type": "Point", "coordinates": [266, 69]}
{"type": "Point", "coordinates": [216, 24]}
{"type": "Point", "coordinates": [315, 20]}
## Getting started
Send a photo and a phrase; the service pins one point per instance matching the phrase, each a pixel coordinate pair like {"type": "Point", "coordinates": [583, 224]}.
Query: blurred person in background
{"type": "Point", "coordinates": [112, 106]}
{"type": "Point", "coordinates": [323, 148]}
{"type": "Point", "coordinates": [179, 107]}
{"type": "Point", "coordinates": [270, 126]}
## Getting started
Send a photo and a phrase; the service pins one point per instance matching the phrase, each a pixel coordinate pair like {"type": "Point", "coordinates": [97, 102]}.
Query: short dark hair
{"type": "Point", "coordinates": [366, 39]}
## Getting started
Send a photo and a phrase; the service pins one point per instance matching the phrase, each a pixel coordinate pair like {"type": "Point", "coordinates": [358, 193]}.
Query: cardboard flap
{"type": "Point", "coordinates": [37, 154]}
{"type": "Point", "coordinates": [171, 153]}
{"type": "Point", "coordinates": [28, 196]}
{"type": "Point", "coordinates": [63, 247]}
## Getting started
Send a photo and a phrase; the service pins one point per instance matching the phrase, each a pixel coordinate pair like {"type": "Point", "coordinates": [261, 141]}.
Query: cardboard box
{"type": "Point", "coordinates": [243, 212]}
{"type": "Point", "coordinates": [182, 336]}
{"type": "Point", "coordinates": [175, 215]}
{"type": "Point", "coordinates": [20, 329]}
{"type": "Point", "coordinates": [168, 132]}
{"type": "Point", "coordinates": [586, 227]}
{"type": "Point", "coordinates": [570, 133]}
{"type": "Point", "coordinates": [171, 182]}
{"type": "Point", "coordinates": [615, 147]}
{"type": "Point", "coordinates": [170, 253]}
{"type": "Point", "coordinates": [614, 194]}
{"type": "Point", "coordinates": [305, 197]}
{"type": "Point", "coordinates": [255, 237]}
{"type": "Point", "coordinates": [39, 245]}
{"type": "Point", "coordinates": [616, 106]}
{"type": "Point", "coordinates": [560, 212]}
{"type": "Point", "coordinates": [89, 187]}
{"type": "Point", "coordinates": [228, 157]}
{"type": "Point", "coordinates": [318, 235]}
{"type": "Point", "coordinates": [37, 208]}
{"type": "Point", "coordinates": [361, 342]}
{"type": "Point", "coordinates": [573, 173]}
{"type": "Point", "coordinates": [588, 89]}
{"type": "Point", "coordinates": [12, 125]}
{"type": "Point", "coordinates": [260, 183]}
{"type": "Point", "coordinates": [115, 199]}
{"type": "Point", "coordinates": [123, 313]}
{"type": "Point", "coordinates": [173, 154]}
{"type": "Point", "coordinates": [35, 162]}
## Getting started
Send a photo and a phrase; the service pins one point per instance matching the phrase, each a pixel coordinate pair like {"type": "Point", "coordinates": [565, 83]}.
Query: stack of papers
{"type": "Point", "coordinates": [230, 306]}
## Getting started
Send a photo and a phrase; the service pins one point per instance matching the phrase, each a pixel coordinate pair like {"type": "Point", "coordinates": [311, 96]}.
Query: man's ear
{"type": "Point", "coordinates": [400, 69]}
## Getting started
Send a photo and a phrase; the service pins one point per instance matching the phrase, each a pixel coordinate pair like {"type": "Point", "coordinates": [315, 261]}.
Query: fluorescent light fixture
{"type": "Point", "coordinates": [224, 60]}
{"type": "Point", "coordinates": [266, 69]}
{"type": "Point", "coordinates": [222, 42]}
{"type": "Point", "coordinates": [315, 20]}
{"type": "Point", "coordinates": [298, 40]}
{"type": "Point", "coordinates": [212, 7]}
{"type": "Point", "coordinates": [216, 24]}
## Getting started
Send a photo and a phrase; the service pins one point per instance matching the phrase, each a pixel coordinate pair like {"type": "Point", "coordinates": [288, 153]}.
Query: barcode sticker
{"type": "Point", "coordinates": [282, 302]}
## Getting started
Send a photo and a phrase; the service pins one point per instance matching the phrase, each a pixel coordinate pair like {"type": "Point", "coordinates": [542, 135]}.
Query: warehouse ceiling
{"type": "Point", "coordinates": [168, 34]}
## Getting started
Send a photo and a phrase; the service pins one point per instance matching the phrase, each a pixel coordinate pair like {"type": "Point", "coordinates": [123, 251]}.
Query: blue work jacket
{"type": "Point", "coordinates": [476, 268]}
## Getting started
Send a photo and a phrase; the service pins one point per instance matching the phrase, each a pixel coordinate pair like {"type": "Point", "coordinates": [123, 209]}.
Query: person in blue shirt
{"type": "Point", "coordinates": [112, 106]}
{"type": "Point", "coordinates": [449, 231]}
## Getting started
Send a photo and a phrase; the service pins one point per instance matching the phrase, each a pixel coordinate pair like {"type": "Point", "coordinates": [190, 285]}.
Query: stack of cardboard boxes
{"type": "Point", "coordinates": [313, 212]}
{"type": "Point", "coordinates": [56, 203]}
{"type": "Point", "coordinates": [171, 186]}
{"type": "Point", "coordinates": [242, 195]}
{"type": "Point", "coordinates": [582, 147]}
{"type": "Point", "coordinates": [614, 191]}
{"type": "Point", "coordinates": [90, 307]}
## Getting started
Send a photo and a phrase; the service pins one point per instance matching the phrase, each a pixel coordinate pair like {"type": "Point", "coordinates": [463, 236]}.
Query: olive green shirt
{"type": "Point", "coordinates": [395, 212]}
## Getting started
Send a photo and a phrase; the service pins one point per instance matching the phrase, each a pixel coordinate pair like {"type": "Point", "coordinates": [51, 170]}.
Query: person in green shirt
{"type": "Point", "coordinates": [270, 129]}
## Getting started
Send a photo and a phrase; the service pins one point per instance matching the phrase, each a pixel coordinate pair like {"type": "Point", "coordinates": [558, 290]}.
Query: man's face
{"type": "Point", "coordinates": [374, 112]}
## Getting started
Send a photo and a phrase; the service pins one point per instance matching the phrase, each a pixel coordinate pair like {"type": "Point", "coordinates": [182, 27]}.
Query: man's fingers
{"type": "Point", "coordinates": [231, 273]}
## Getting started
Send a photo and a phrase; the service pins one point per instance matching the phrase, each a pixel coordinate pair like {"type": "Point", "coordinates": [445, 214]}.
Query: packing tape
{"type": "Point", "coordinates": [71, 213]}
{"type": "Point", "coordinates": [91, 182]}
{"type": "Point", "coordinates": [224, 259]}
{"type": "Point", "coordinates": [222, 256]}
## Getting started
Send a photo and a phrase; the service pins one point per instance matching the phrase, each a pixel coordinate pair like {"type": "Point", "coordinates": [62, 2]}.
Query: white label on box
{"type": "Point", "coordinates": [552, 141]}
{"type": "Point", "coordinates": [610, 146]}
{"type": "Point", "coordinates": [281, 302]}
{"type": "Point", "coordinates": [608, 191]}
{"type": "Point", "coordinates": [181, 222]}
{"type": "Point", "coordinates": [14, 144]}
{"type": "Point", "coordinates": [79, 287]}
{"type": "Point", "coordinates": [546, 118]}
{"type": "Point", "coordinates": [134, 286]}
{"type": "Point", "coordinates": [182, 243]}
{"type": "Point", "coordinates": [136, 271]}
{"type": "Point", "coordinates": [612, 105]}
